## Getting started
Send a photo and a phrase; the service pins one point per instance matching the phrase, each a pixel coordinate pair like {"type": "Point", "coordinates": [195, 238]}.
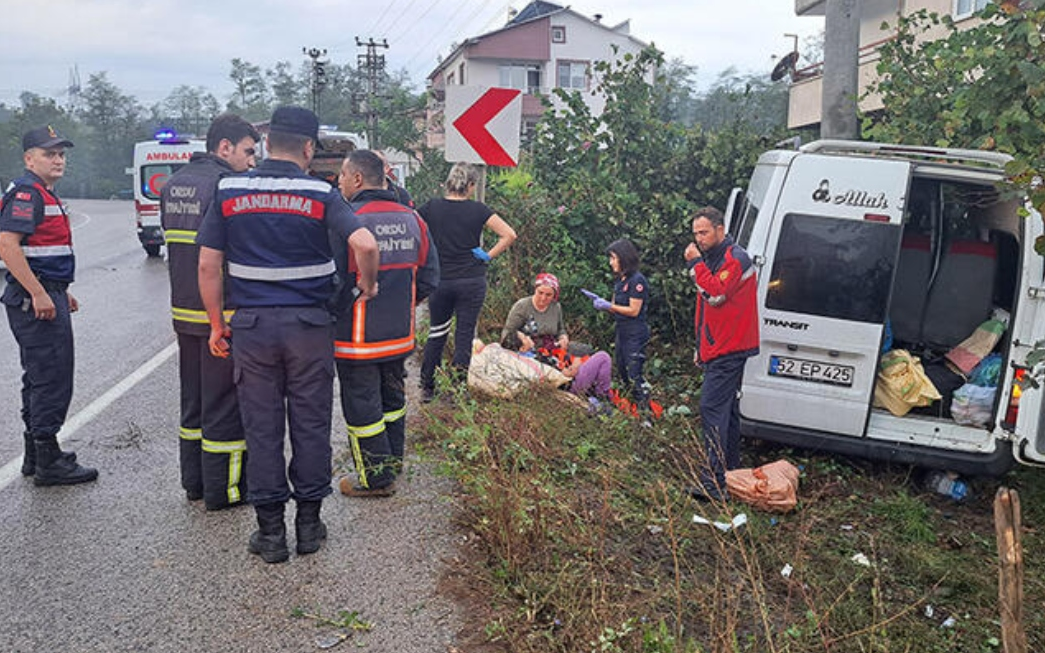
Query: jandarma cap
{"type": "Point", "coordinates": [44, 137]}
{"type": "Point", "coordinates": [295, 120]}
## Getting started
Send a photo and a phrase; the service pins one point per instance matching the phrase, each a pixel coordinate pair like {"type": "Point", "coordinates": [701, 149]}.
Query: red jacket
{"type": "Point", "coordinates": [727, 302]}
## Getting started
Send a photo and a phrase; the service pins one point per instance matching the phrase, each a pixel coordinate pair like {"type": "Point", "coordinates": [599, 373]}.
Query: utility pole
{"type": "Point", "coordinates": [838, 110]}
{"type": "Point", "coordinates": [372, 65]}
{"type": "Point", "coordinates": [319, 74]}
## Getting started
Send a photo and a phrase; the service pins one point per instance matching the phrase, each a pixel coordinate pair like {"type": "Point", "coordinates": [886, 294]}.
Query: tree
{"type": "Point", "coordinates": [250, 98]}
{"type": "Point", "coordinates": [752, 100]}
{"type": "Point", "coordinates": [113, 124]}
{"type": "Point", "coordinates": [982, 87]}
{"type": "Point", "coordinates": [285, 88]}
{"type": "Point", "coordinates": [34, 111]}
{"type": "Point", "coordinates": [189, 110]}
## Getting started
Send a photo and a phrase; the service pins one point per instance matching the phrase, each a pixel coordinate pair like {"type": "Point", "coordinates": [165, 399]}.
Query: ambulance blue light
{"type": "Point", "coordinates": [165, 134]}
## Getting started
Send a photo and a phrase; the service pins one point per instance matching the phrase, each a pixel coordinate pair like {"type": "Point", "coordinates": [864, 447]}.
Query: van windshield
{"type": "Point", "coordinates": [833, 268]}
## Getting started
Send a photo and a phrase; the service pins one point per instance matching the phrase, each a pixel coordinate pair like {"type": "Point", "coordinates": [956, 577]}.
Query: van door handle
{"type": "Point", "coordinates": [834, 354]}
{"type": "Point", "coordinates": [792, 347]}
{"type": "Point", "coordinates": [758, 260]}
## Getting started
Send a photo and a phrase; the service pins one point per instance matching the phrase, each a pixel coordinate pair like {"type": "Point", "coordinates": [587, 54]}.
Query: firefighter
{"type": "Point", "coordinates": [36, 246]}
{"type": "Point", "coordinates": [212, 447]}
{"type": "Point", "coordinates": [274, 226]}
{"type": "Point", "coordinates": [374, 336]}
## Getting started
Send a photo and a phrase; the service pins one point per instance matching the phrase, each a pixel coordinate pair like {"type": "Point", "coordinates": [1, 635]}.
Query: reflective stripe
{"type": "Point", "coordinates": [194, 316]}
{"type": "Point", "coordinates": [439, 330]}
{"type": "Point", "coordinates": [274, 183]}
{"type": "Point", "coordinates": [190, 434]}
{"type": "Point", "coordinates": [180, 236]}
{"type": "Point", "coordinates": [362, 350]}
{"type": "Point", "coordinates": [41, 251]}
{"type": "Point", "coordinates": [256, 273]}
{"type": "Point", "coordinates": [53, 209]}
{"type": "Point", "coordinates": [395, 415]}
{"type": "Point", "coordinates": [368, 431]}
{"type": "Point", "coordinates": [232, 446]}
{"type": "Point", "coordinates": [235, 474]}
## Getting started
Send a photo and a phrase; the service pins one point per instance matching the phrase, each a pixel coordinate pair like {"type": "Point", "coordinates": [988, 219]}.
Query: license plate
{"type": "Point", "coordinates": [796, 368]}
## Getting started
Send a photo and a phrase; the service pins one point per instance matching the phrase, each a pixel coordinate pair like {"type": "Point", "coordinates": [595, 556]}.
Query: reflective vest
{"type": "Point", "coordinates": [49, 247]}
{"type": "Point", "coordinates": [276, 244]}
{"type": "Point", "coordinates": [382, 328]}
{"type": "Point", "coordinates": [183, 201]}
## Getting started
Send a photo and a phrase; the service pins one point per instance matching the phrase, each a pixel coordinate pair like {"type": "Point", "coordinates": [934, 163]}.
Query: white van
{"type": "Point", "coordinates": [154, 162]}
{"type": "Point", "coordinates": [851, 236]}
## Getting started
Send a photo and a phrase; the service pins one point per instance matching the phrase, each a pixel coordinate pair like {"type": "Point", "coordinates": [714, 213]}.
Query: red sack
{"type": "Point", "coordinates": [772, 487]}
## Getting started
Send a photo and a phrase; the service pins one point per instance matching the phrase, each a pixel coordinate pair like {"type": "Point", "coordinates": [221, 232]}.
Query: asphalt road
{"type": "Point", "coordinates": [127, 564]}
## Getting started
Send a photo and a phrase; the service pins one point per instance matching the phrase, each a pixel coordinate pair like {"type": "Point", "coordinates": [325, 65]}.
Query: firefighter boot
{"type": "Point", "coordinates": [311, 531]}
{"type": "Point", "coordinates": [54, 467]}
{"type": "Point", "coordinates": [270, 540]}
{"type": "Point", "coordinates": [29, 458]}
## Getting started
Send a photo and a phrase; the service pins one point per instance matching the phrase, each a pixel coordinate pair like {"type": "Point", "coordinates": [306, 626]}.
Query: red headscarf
{"type": "Point", "coordinates": [548, 279]}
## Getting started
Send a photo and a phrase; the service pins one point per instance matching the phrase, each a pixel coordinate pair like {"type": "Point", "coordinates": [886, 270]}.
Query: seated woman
{"type": "Point", "coordinates": [590, 375]}
{"type": "Point", "coordinates": [539, 316]}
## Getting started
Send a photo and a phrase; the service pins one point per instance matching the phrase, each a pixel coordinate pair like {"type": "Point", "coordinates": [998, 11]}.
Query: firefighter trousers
{"type": "Point", "coordinates": [373, 400]}
{"type": "Point", "coordinates": [212, 446]}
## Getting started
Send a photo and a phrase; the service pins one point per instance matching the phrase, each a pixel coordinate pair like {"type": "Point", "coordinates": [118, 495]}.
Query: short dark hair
{"type": "Point", "coordinates": [712, 214]}
{"type": "Point", "coordinates": [286, 143]}
{"type": "Point", "coordinates": [511, 341]}
{"type": "Point", "coordinates": [627, 255]}
{"type": "Point", "coordinates": [368, 164]}
{"type": "Point", "coordinates": [230, 127]}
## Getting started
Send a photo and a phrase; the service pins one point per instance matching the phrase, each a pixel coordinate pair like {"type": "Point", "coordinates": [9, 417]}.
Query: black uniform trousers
{"type": "Point", "coordinates": [46, 351]}
{"type": "Point", "coordinates": [720, 419]}
{"type": "Point", "coordinates": [284, 373]}
{"type": "Point", "coordinates": [630, 349]}
{"type": "Point", "coordinates": [212, 447]}
{"type": "Point", "coordinates": [373, 400]}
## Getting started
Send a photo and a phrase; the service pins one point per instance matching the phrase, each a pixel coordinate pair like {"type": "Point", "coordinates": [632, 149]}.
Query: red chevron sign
{"type": "Point", "coordinates": [484, 127]}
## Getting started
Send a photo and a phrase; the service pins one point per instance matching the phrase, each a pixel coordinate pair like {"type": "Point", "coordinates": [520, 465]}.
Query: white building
{"type": "Point", "coordinates": [542, 47]}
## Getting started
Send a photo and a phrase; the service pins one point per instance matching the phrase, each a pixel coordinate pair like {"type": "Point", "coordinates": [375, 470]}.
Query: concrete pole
{"type": "Point", "coordinates": [838, 118]}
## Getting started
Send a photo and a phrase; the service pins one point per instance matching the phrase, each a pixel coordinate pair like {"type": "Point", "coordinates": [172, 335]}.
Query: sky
{"type": "Point", "coordinates": [149, 47]}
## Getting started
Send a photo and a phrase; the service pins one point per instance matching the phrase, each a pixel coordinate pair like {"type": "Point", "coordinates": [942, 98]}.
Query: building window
{"type": "Point", "coordinates": [460, 74]}
{"type": "Point", "coordinates": [965, 8]}
{"type": "Point", "coordinates": [450, 79]}
{"type": "Point", "coordinates": [558, 33]}
{"type": "Point", "coordinates": [573, 75]}
{"type": "Point", "coordinates": [525, 77]}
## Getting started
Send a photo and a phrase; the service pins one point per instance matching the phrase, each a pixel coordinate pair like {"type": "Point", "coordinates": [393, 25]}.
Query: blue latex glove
{"type": "Point", "coordinates": [589, 294]}
{"type": "Point", "coordinates": [480, 253]}
{"type": "Point", "coordinates": [601, 304]}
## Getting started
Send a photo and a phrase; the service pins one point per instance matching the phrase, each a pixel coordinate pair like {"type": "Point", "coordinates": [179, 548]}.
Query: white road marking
{"type": "Point", "coordinates": [12, 470]}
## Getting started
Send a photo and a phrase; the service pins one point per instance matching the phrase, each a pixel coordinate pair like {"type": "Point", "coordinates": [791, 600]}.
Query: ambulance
{"type": "Point", "coordinates": [864, 248]}
{"type": "Point", "coordinates": [154, 162]}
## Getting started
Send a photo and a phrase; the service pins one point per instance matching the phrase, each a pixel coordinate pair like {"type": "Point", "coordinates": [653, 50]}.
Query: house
{"type": "Point", "coordinates": [543, 46]}
{"type": "Point", "coordinates": [807, 83]}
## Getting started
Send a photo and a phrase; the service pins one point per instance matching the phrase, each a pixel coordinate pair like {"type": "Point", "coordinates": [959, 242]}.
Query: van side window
{"type": "Point", "coordinates": [833, 268]}
{"type": "Point", "coordinates": [748, 217]}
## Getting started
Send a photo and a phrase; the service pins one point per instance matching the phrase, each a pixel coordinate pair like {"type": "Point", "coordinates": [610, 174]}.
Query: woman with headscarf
{"type": "Point", "coordinates": [539, 316]}
{"type": "Point", "coordinates": [456, 224]}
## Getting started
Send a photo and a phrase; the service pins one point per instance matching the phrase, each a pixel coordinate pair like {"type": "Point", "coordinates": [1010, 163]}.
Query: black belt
{"type": "Point", "coordinates": [48, 284]}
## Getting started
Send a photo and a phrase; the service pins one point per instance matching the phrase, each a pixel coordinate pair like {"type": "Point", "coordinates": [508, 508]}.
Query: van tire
{"type": "Point", "coordinates": [152, 250]}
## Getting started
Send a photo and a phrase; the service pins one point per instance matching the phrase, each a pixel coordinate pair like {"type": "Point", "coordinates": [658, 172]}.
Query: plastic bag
{"type": "Point", "coordinates": [772, 487]}
{"type": "Point", "coordinates": [972, 405]}
{"type": "Point", "coordinates": [986, 374]}
{"type": "Point", "coordinates": [973, 349]}
{"type": "Point", "coordinates": [902, 383]}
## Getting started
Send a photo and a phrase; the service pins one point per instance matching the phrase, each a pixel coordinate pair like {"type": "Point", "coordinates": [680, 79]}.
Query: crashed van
{"type": "Point", "coordinates": [865, 250]}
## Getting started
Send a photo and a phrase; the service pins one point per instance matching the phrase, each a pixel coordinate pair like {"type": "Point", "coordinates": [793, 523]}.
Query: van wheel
{"type": "Point", "coordinates": [152, 250]}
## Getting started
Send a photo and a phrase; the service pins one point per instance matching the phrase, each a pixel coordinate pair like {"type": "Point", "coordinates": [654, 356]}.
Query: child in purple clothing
{"type": "Point", "coordinates": [590, 377]}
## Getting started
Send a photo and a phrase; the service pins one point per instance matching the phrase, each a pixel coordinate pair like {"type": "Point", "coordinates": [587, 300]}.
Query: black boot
{"type": "Point", "coordinates": [270, 540]}
{"type": "Point", "coordinates": [29, 458]}
{"type": "Point", "coordinates": [311, 531]}
{"type": "Point", "coordinates": [53, 467]}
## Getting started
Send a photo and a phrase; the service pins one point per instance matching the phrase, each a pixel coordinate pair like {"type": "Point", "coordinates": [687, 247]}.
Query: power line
{"type": "Point", "coordinates": [440, 32]}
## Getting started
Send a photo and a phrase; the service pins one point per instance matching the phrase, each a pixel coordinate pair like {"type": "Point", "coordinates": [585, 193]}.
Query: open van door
{"type": "Point", "coordinates": [824, 292]}
{"type": "Point", "coordinates": [733, 210]}
{"type": "Point", "coordinates": [1022, 410]}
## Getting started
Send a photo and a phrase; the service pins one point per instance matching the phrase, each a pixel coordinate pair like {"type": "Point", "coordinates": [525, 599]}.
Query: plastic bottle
{"type": "Point", "coordinates": [948, 484]}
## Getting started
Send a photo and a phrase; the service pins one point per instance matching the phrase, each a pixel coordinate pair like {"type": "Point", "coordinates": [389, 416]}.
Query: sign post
{"type": "Point", "coordinates": [482, 125]}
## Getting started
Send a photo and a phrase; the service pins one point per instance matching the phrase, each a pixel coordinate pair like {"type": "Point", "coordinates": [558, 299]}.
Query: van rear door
{"type": "Point", "coordinates": [1023, 409]}
{"type": "Point", "coordinates": [824, 293]}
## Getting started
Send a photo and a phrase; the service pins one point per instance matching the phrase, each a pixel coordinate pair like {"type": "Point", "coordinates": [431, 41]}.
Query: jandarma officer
{"type": "Point", "coordinates": [273, 226]}
{"type": "Point", "coordinates": [37, 247]}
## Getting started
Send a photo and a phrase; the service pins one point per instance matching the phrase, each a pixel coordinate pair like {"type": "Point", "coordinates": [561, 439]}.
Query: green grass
{"type": "Point", "coordinates": [583, 541]}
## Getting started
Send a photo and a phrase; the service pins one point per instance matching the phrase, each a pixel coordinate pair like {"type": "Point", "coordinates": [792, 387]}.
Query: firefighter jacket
{"type": "Point", "coordinates": [382, 328]}
{"type": "Point", "coordinates": [29, 208]}
{"type": "Point", "coordinates": [727, 302]}
{"type": "Point", "coordinates": [183, 201]}
{"type": "Point", "coordinates": [275, 224]}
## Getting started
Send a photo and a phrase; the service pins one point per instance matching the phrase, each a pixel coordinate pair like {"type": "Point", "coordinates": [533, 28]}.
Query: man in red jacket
{"type": "Point", "coordinates": [727, 335]}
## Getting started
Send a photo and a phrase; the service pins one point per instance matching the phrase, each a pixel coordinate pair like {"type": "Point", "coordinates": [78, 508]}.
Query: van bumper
{"type": "Point", "coordinates": [995, 463]}
{"type": "Point", "coordinates": [150, 235]}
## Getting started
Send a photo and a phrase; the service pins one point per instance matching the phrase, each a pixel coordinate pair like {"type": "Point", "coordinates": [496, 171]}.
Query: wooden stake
{"type": "Point", "coordinates": [1007, 525]}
